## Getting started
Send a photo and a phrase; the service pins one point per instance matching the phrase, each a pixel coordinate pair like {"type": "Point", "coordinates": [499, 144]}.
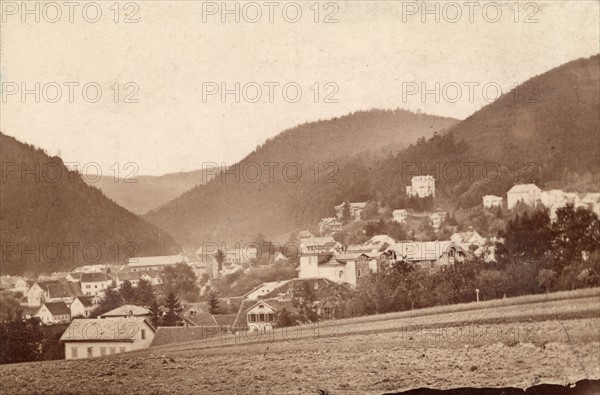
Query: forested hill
{"type": "Point", "coordinates": [51, 220]}
{"type": "Point", "coordinates": [546, 131]}
{"type": "Point", "coordinates": [236, 208]}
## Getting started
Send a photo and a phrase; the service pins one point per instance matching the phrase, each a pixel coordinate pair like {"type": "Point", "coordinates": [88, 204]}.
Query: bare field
{"type": "Point", "coordinates": [518, 344]}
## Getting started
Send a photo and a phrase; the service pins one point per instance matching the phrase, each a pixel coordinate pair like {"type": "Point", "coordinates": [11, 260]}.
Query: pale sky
{"type": "Point", "coordinates": [373, 50]}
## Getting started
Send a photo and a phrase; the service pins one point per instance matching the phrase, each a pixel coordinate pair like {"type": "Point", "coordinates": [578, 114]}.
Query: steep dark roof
{"type": "Point", "coordinates": [126, 276]}
{"type": "Point", "coordinates": [64, 290]}
{"type": "Point", "coordinates": [296, 283]}
{"type": "Point", "coordinates": [57, 308]}
{"type": "Point", "coordinates": [200, 319]}
{"type": "Point", "coordinates": [179, 334]}
{"type": "Point", "coordinates": [93, 277]}
{"type": "Point", "coordinates": [127, 310]}
{"type": "Point", "coordinates": [84, 301]}
{"type": "Point", "coordinates": [225, 320]}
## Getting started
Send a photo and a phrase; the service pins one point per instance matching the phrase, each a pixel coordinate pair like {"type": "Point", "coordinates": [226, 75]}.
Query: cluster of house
{"type": "Point", "coordinates": [421, 186]}
{"type": "Point", "coordinates": [62, 296]}
{"type": "Point", "coordinates": [553, 199]}
{"type": "Point", "coordinates": [323, 257]}
{"type": "Point", "coordinates": [129, 328]}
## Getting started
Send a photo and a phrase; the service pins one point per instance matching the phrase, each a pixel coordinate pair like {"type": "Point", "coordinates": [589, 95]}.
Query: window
{"type": "Point", "coordinates": [121, 349]}
{"type": "Point", "coordinates": [261, 317]}
{"type": "Point", "coordinates": [90, 352]}
{"type": "Point", "coordinates": [112, 350]}
{"type": "Point", "coordinates": [102, 351]}
{"type": "Point", "coordinates": [252, 318]}
{"type": "Point", "coordinates": [74, 352]}
{"type": "Point", "coordinates": [87, 286]}
{"type": "Point", "coordinates": [143, 334]}
{"type": "Point", "coordinates": [270, 317]}
{"type": "Point", "coordinates": [341, 274]}
{"type": "Point", "coordinates": [358, 273]}
{"type": "Point", "coordinates": [95, 285]}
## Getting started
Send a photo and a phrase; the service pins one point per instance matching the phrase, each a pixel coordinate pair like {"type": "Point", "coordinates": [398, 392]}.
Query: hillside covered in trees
{"type": "Point", "coordinates": [287, 182]}
{"type": "Point", "coordinates": [546, 131]}
{"type": "Point", "coordinates": [51, 220]}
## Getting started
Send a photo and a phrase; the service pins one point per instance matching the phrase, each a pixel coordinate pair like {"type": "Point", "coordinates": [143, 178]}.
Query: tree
{"type": "Point", "coordinates": [173, 309]}
{"type": "Point", "coordinates": [155, 317]}
{"type": "Point", "coordinates": [9, 307]}
{"type": "Point", "coordinates": [213, 304]}
{"type": "Point", "coordinates": [346, 212]}
{"type": "Point", "coordinates": [285, 319]}
{"type": "Point", "coordinates": [21, 340]}
{"type": "Point", "coordinates": [144, 294]}
{"type": "Point", "coordinates": [127, 292]}
{"type": "Point", "coordinates": [111, 300]}
{"type": "Point", "coordinates": [577, 234]}
{"type": "Point", "coordinates": [371, 210]}
{"type": "Point", "coordinates": [220, 258]}
{"type": "Point", "coordinates": [546, 278]}
{"type": "Point", "coordinates": [527, 240]}
{"type": "Point", "coordinates": [181, 280]}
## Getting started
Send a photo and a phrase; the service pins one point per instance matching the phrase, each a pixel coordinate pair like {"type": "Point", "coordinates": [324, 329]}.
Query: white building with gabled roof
{"type": "Point", "coordinates": [526, 193]}
{"type": "Point", "coordinates": [88, 338]}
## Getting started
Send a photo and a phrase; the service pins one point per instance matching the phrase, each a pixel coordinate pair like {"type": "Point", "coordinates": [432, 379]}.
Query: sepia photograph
{"type": "Point", "coordinates": [300, 197]}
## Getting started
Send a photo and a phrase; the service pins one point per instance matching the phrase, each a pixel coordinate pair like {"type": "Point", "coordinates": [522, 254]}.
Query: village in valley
{"type": "Point", "coordinates": [103, 309]}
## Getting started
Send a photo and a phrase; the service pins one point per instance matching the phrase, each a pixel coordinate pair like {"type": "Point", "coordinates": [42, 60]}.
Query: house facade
{"type": "Point", "coordinates": [339, 267]}
{"type": "Point", "coordinates": [88, 338]}
{"type": "Point", "coordinates": [421, 186]}
{"type": "Point", "coordinates": [94, 284]}
{"type": "Point", "coordinates": [54, 313]}
{"type": "Point", "coordinates": [526, 193]}
{"type": "Point", "coordinates": [491, 201]}
{"type": "Point", "coordinates": [120, 277]}
{"type": "Point", "coordinates": [22, 285]}
{"type": "Point", "coordinates": [556, 198]}
{"type": "Point", "coordinates": [400, 216]}
{"type": "Point", "coordinates": [261, 317]}
{"type": "Point", "coordinates": [437, 219]}
{"type": "Point", "coordinates": [430, 254]}
{"type": "Point", "coordinates": [316, 245]}
{"type": "Point", "coordinates": [356, 210]}
{"type": "Point", "coordinates": [329, 225]}
{"type": "Point", "coordinates": [81, 307]}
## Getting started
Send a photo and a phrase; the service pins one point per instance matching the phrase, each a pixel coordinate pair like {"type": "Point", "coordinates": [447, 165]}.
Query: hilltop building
{"type": "Point", "coordinates": [400, 216]}
{"type": "Point", "coordinates": [421, 186]}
